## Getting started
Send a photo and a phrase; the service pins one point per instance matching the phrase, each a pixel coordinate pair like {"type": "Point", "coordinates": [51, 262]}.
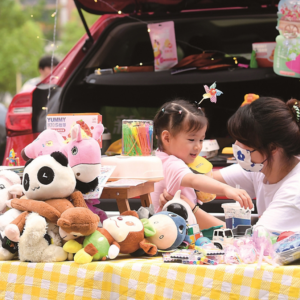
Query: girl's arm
{"type": "Point", "coordinates": [218, 176]}
{"type": "Point", "coordinates": [204, 219]}
{"type": "Point", "coordinates": [209, 185]}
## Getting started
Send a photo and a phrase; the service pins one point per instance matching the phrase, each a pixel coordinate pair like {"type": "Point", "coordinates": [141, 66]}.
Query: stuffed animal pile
{"type": "Point", "coordinates": [84, 157]}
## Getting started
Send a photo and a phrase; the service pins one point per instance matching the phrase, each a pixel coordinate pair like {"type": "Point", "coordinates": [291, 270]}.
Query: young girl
{"type": "Point", "coordinates": [180, 130]}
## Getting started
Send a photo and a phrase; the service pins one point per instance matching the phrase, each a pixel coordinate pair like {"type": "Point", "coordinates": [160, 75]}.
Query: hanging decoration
{"type": "Point", "coordinates": [287, 51]}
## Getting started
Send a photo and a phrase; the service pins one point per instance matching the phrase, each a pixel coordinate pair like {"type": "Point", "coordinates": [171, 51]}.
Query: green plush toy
{"type": "Point", "coordinates": [96, 246]}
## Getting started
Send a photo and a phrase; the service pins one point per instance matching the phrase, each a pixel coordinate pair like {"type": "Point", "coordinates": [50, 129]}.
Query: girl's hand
{"type": "Point", "coordinates": [164, 198]}
{"type": "Point", "coordinates": [240, 196]}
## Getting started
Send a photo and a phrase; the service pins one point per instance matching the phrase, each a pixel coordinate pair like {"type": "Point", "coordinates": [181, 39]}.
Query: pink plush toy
{"type": "Point", "coordinates": [47, 142]}
{"type": "Point", "coordinates": [84, 157]}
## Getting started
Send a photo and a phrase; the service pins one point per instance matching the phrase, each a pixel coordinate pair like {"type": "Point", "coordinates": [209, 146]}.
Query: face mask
{"type": "Point", "coordinates": [243, 157]}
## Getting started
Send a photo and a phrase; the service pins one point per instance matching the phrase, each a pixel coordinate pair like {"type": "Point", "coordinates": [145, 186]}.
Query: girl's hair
{"type": "Point", "coordinates": [267, 123]}
{"type": "Point", "coordinates": [176, 116]}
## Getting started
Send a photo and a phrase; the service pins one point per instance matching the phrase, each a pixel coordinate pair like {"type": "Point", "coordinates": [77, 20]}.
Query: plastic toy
{"type": "Point", "coordinates": [231, 255]}
{"type": "Point", "coordinates": [211, 93]}
{"type": "Point", "coordinates": [288, 249]}
{"type": "Point", "coordinates": [210, 231]}
{"type": "Point", "coordinates": [242, 230]}
{"type": "Point", "coordinates": [13, 160]}
{"type": "Point", "coordinates": [284, 235]}
{"type": "Point", "coordinates": [222, 238]}
{"type": "Point", "coordinates": [246, 249]}
{"type": "Point", "coordinates": [263, 245]}
{"type": "Point", "coordinates": [202, 241]}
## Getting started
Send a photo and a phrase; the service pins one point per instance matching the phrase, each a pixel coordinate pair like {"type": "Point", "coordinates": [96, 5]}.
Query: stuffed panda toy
{"type": "Point", "coordinates": [48, 177]}
{"type": "Point", "coordinates": [45, 177]}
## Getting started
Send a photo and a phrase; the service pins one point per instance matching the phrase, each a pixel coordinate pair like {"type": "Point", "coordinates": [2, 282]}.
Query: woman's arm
{"type": "Point", "coordinates": [209, 185]}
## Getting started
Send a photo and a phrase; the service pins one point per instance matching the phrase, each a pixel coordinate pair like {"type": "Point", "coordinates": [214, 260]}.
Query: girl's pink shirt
{"type": "Point", "coordinates": [174, 170]}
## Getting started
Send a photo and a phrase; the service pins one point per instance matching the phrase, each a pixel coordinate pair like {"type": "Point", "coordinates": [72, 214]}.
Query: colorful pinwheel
{"type": "Point", "coordinates": [211, 92]}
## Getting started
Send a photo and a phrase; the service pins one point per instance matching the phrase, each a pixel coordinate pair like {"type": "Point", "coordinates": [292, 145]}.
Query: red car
{"type": "Point", "coordinates": [120, 38]}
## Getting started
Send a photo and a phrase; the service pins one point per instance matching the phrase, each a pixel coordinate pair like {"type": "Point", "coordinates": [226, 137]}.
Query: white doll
{"type": "Point", "coordinates": [10, 186]}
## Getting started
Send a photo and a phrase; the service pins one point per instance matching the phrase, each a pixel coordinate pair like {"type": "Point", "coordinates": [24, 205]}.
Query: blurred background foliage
{"type": "Point", "coordinates": [26, 34]}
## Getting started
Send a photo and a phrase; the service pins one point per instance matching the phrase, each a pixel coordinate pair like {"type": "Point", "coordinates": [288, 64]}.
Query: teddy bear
{"type": "Point", "coordinates": [40, 242]}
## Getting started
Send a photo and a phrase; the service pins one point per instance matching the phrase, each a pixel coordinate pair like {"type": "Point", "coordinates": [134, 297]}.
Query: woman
{"type": "Point", "coordinates": [267, 144]}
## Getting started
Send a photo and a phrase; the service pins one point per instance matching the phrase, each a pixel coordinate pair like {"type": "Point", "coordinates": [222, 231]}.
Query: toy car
{"type": "Point", "coordinates": [222, 238]}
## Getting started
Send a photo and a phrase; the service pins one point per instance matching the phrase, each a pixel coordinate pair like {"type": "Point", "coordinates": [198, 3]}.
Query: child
{"type": "Point", "coordinates": [180, 129]}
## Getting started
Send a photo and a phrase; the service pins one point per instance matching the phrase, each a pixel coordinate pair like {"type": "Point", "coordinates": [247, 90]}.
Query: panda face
{"type": "Point", "coordinates": [45, 178]}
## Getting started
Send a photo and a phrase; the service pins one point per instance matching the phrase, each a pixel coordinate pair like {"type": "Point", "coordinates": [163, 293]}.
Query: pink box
{"type": "Point", "coordinates": [63, 124]}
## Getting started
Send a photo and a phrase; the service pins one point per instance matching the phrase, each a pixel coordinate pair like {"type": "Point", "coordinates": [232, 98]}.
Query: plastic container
{"type": "Point", "coordinates": [137, 137]}
{"type": "Point", "coordinates": [134, 167]}
{"type": "Point", "coordinates": [236, 215]}
{"type": "Point", "coordinates": [106, 140]}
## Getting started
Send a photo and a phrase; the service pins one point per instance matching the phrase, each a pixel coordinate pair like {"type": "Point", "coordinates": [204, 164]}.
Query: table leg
{"type": "Point", "coordinates": [123, 205]}
{"type": "Point", "coordinates": [146, 200]}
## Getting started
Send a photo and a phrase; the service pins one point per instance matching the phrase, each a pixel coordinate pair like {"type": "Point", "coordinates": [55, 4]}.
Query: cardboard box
{"type": "Point", "coordinates": [63, 123]}
{"type": "Point", "coordinates": [264, 54]}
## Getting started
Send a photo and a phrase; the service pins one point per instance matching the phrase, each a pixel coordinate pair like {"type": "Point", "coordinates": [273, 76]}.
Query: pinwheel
{"type": "Point", "coordinates": [211, 92]}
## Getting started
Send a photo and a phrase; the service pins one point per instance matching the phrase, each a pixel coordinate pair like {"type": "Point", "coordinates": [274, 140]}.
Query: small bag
{"type": "Point", "coordinates": [163, 42]}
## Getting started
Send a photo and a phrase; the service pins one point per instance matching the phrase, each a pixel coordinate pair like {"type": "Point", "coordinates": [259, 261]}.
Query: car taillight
{"type": "Point", "coordinates": [19, 115]}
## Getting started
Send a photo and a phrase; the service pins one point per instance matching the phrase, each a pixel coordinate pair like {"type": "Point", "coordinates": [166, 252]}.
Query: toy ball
{"type": "Point", "coordinates": [202, 241]}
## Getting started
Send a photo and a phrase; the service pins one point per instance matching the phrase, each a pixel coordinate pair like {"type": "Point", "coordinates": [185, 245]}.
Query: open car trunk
{"type": "Point", "coordinates": [138, 95]}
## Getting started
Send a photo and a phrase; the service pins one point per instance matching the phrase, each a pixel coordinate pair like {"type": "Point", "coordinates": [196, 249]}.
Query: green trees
{"type": "Point", "coordinates": [20, 48]}
{"type": "Point", "coordinates": [73, 31]}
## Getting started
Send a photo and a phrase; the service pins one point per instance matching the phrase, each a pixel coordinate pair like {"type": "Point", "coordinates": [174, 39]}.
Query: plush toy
{"type": "Point", "coordinates": [170, 230]}
{"type": "Point", "coordinates": [47, 142]}
{"type": "Point", "coordinates": [97, 246]}
{"type": "Point", "coordinates": [181, 208]}
{"type": "Point", "coordinates": [97, 243]}
{"type": "Point", "coordinates": [129, 232]}
{"type": "Point", "coordinates": [84, 157]}
{"type": "Point", "coordinates": [146, 212]}
{"type": "Point", "coordinates": [77, 222]}
{"type": "Point", "coordinates": [39, 243]}
{"type": "Point", "coordinates": [47, 182]}
{"type": "Point", "coordinates": [8, 181]}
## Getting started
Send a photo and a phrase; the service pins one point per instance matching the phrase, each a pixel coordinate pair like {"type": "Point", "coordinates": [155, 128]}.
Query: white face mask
{"type": "Point", "coordinates": [243, 157]}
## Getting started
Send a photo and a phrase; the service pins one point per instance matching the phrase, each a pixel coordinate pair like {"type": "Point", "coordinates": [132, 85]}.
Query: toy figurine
{"type": "Point", "coordinates": [13, 160]}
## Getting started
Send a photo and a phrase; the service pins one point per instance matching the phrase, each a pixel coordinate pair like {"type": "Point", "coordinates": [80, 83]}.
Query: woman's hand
{"type": "Point", "coordinates": [239, 195]}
